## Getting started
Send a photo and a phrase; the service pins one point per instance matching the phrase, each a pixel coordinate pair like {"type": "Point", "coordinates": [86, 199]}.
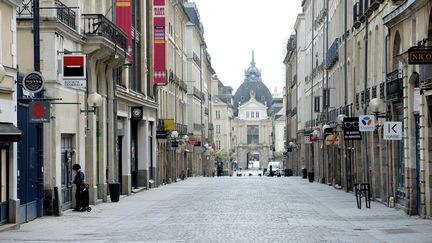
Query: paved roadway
{"type": "Point", "coordinates": [230, 209]}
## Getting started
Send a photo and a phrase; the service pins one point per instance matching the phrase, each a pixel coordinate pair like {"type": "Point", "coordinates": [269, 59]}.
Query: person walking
{"type": "Point", "coordinates": [80, 187]}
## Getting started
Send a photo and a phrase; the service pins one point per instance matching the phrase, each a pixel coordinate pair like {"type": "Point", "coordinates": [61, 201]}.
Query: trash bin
{"type": "Point", "coordinates": [311, 177]}
{"type": "Point", "coordinates": [304, 173]}
{"type": "Point", "coordinates": [114, 189]}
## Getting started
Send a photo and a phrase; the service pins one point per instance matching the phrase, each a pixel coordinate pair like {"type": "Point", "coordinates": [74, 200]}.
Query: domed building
{"type": "Point", "coordinates": [252, 82]}
{"type": "Point", "coordinates": [252, 124]}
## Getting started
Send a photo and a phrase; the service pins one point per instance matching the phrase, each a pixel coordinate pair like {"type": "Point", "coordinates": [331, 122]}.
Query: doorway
{"type": "Point", "coordinates": [4, 178]}
{"type": "Point", "coordinates": [67, 152]}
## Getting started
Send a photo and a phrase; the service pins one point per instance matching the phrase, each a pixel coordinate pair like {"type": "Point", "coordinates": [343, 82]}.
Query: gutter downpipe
{"type": "Point", "coordinates": [346, 89]}
{"type": "Point", "coordinates": [386, 43]}
{"type": "Point", "coordinates": [312, 86]}
{"type": "Point", "coordinates": [366, 157]}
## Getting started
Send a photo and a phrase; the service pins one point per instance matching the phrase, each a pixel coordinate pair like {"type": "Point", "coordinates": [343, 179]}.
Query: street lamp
{"type": "Point", "coordinates": [94, 100]}
{"type": "Point", "coordinates": [377, 106]}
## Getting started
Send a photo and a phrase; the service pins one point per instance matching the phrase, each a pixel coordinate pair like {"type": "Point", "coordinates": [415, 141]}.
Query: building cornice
{"type": "Point", "coordinates": [402, 11]}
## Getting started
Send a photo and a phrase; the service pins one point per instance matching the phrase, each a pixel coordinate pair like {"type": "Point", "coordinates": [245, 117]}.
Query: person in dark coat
{"type": "Point", "coordinates": [80, 186]}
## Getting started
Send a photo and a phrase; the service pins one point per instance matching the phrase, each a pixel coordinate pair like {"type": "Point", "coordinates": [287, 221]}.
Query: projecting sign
{"type": "Point", "coordinates": [33, 82]}
{"type": "Point", "coordinates": [74, 67]}
{"type": "Point", "coordinates": [392, 130]}
{"type": "Point", "coordinates": [159, 42]}
{"type": "Point", "coordinates": [351, 128]}
{"type": "Point", "coordinates": [420, 55]}
{"type": "Point", "coordinates": [39, 111]}
{"type": "Point", "coordinates": [366, 123]}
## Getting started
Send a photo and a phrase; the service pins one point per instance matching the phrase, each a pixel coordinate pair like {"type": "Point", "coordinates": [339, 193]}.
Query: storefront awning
{"type": "Point", "coordinates": [9, 132]}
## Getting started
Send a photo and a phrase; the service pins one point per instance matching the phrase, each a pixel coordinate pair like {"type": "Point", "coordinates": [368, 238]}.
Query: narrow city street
{"type": "Point", "coordinates": [230, 209]}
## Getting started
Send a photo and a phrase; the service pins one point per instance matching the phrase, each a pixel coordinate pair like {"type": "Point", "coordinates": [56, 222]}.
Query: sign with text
{"type": "Point", "coordinates": [74, 83]}
{"type": "Point", "coordinates": [159, 43]}
{"type": "Point", "coordinates": [33, 82]}
{"type": "Point", "coordinates": [351, 128]}
{"type": "Point", "coordinates": [392, 130]}
{"type": "Point", "coordinates": [417, 101]}
{"type": "Point", "coordinates": [366, 123]}
{"type": "Point", "coordinates": [420, 55]}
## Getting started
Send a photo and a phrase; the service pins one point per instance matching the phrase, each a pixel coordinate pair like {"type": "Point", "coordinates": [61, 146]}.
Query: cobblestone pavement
{"type": "Point", "coordinates": [230, 209]}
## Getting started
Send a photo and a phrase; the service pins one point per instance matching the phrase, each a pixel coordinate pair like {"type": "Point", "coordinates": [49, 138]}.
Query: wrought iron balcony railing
{"type": "Point", "coordinates": [99, 25]}
{"type": "Point", "coordinates": [65, 14]}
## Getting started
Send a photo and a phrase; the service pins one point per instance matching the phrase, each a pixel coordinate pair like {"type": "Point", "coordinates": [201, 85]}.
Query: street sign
{"type": "Point", "coordinates": [33, 82]}
{"type": "Point", "coordinates": [351, 128]}
{"type": "Point", "coordinates": [393, 131]}
{"type": "Point", "coordinates": [74, 67]}
{"type": "Point", "coordinates": [367, 123]}
{"type": "Point", "coordinates": [39, 111]}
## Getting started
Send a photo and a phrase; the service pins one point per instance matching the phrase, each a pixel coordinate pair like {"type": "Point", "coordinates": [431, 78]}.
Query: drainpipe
{"type": "Point", "coordinates": [387, 147]}
{"type": "Point", "coordinates": [346, 143]}
{"type": "Point", "coordinates": [312, 93]}
{"type": "Point", "coordinates": [365, 139]}
{"type": "Point", "coordinates": [326, 158]}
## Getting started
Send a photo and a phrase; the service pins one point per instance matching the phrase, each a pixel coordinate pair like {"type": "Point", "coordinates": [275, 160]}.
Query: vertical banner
{"type": "Point", "coordinates": [124, 21]}
{"type": "Point", "coordinates": [160, 77]}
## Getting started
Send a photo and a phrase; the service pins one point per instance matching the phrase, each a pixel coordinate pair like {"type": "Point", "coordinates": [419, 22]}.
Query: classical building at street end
{"type": "Point", "coordinates": [252, 126]}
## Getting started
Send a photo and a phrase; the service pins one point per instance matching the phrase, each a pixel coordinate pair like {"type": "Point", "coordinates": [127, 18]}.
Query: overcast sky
{"type": "Point", "coordinates": [232, 28]}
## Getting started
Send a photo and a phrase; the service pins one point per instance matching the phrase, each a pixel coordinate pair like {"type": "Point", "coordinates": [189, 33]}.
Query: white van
{"type": "Point", "coordinates": [275, 167]}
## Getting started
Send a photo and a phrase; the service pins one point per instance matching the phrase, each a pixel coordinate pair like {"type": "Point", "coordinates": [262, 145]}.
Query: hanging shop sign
{"type": "Point", "coordinates": [351, 128]}
{"type": "Point", "coordinates": [332, 139]}
{"type": "Point", "coordinates": [39, 111]}
{"type": "Point", "coordinates": [418, 55]}
{"type": "Point", "coordinates": [159, 42]}
{"type": "Point", "coordinates": [33, 82]}
{"type": "Point", "coordinates": [367, 123]}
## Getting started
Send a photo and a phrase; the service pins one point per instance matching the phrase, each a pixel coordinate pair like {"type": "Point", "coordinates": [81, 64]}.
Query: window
{"type": "Point", "coordinates": [257, 114]}
{"type": "Point", "coordinates": [218, 115]}
{"type": "Point", "coordinates": [218, 129]}
{"type": "Point", "coordinates": [253, 114]}
{"type": "Point", "coordinates": [252, 134]}
{"type": "Point", "coordinates": [218, 145]}
{"type": "Point", "coordinates": [247, 114]}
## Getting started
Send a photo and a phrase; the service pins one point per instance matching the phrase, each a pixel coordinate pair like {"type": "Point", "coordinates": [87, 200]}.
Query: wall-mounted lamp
{"type": "Point", "coordinates": [377, 106]}
{"type": "Point", "coordinates": [340, 119]}
{"type": "Point", "coordinates": [94, 100]}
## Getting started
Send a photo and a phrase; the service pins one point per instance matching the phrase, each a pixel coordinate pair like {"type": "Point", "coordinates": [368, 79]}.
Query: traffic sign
{"type": "Point", "coordinates": [33, 82]}
{"type": "Point", "coordinates": [367, 123]}
{"type": "Point", "coordinates": [393, 131]}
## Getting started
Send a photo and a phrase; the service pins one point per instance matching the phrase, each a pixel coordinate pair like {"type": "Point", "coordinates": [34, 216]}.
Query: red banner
{"type": "Point", "coordinates": [160, 77]}
{"type": "Point", "coordinates": [124, 21]}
